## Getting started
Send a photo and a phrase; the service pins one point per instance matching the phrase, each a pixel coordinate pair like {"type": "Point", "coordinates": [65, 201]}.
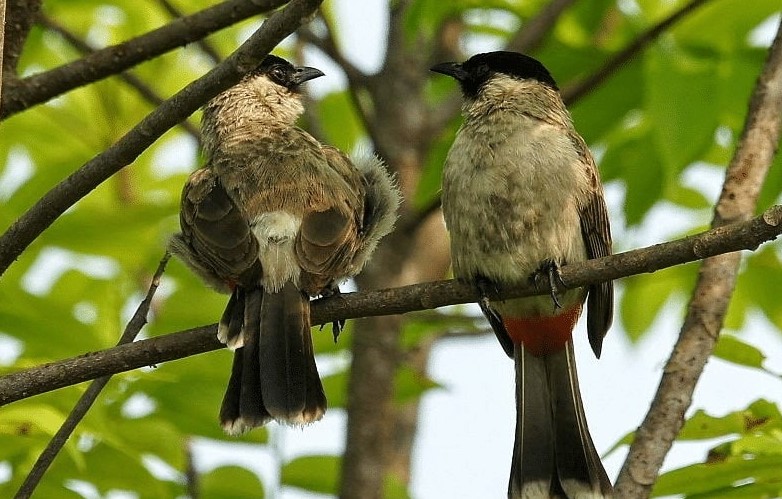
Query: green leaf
{"type": "Point", "coordinates": [430, 183]}
{"type": "Point", "coordinates": [645, 295]}
{"type": "Point", "coordinates": [680, 102]}
{"type": "Point", "coordinates": [633, 158]}
{"type": "Point", "coordinates": [713, 477]}
{"type": "Point", "coordinates": [761, 415]}
{"type": "Point", "coordinates": [229, 482]}
{"type": "Point", "coordinates": [687, 197]}
{"type": "Point", "coordinates": [723, 25]}
{"type": "Point", "coordinates": [336, 388]}
{"type": "Point", "coordinates": [313, 473]}
{"type": "Point", "coordinates": [339, 121]}
{"type": "Point", "coordinates": [701, 426]}
{"type": "Point", "coordinates": [409, 385]}
{"type": "Point", "coordinates": [394, 488]}
{"type": "Point", "coordinates": [604, 110]}
{"type": "Point", "coordinates": [732, 349]}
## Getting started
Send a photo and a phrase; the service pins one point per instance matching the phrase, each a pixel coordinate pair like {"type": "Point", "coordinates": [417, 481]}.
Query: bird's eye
{"type": "Point", "coordinates": [278, 75]}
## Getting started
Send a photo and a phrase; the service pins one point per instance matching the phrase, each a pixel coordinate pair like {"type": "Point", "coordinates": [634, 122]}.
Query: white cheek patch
{"type": "Point", "coordinates": [276, 232]}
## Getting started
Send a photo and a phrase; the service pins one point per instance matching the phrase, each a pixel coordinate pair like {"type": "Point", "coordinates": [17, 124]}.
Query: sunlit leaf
{"type": "Point", "coordinates": [227, 482]}
{"type": "Point", "coordinates": [301, 473]}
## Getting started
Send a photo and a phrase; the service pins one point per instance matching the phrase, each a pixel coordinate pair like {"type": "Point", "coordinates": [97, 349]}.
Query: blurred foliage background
{"type": "Point", "coordinates": [662, 127]}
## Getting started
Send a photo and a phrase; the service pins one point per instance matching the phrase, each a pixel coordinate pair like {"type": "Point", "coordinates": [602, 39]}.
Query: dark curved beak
{"type": "Point", "coordinates": [452, 69]}
{"type": "Point", "coordinates": [305, 73]}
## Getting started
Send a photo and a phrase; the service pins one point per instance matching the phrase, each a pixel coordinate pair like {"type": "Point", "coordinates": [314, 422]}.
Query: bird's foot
{"type": "Point", "coordinates": [338, 325]}
{"type": "Point", "coordinates": [549, 271]}
{"type": "Point", "coordinates": [485, 286]}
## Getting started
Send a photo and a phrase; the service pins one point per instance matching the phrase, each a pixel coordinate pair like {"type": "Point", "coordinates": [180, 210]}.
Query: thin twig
{"type": "Point", "coordinates": [734, 237]}
{"type": "Point", "coordinates": [65, 194]}
{"type": "Point", "coordinates": [575, 91]}
{"type": "Point", "coordinates": [144, 90]}
{"type": "Point", "coordinates": [204, 45]}
{"type": "Point", "coordinates": [42, 87]}
{"type": "Point", "coordinates": [716, 281]}
{"type": "Point", "coordinates": [88, 398]}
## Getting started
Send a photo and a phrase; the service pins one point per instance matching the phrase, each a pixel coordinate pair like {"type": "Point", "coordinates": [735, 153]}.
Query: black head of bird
{"type": "Point", "coordinates": [480, 68]}
{"type": "Point", "coordinates": [283, 73]}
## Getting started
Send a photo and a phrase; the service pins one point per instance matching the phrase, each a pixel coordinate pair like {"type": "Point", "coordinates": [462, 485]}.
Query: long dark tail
{"type": "Point", "coordinates": [553, 454]}
{"type": "Point", "coordinates": [274, 375]}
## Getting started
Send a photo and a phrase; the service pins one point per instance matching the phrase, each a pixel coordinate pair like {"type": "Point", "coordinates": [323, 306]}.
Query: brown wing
{"type": "Point", "coordinates": [216, 241]}
{"type": "Point", "coordinates": [596, 231]}
{"type": "Point", "coordinates": [329, 234]}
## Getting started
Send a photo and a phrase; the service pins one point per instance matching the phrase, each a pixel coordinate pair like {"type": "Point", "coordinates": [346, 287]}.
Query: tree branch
{"type": "Point", "coordinates": [729, 238]}
{"type": "Point", "coordinates": [575, 91]}
{"type": "Point", "coordinates": [2, 43]}
{"type": "Point", "coordinates": [144, 90]}
{"type": "Point", "coordinates": [33, 90]}
{"type": "Point", "coordinates": [88, 398]}
{"type": "Point", "coordinates": [54, 203]}
{"type": "Point", "coordinates": [19, 18]}
{"type": "Point", "coordinates": [716, 281]}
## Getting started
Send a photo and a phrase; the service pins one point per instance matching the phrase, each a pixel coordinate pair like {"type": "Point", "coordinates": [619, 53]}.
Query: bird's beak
{"type": "Point", "coordinates": [452, 69]}
{"type": "Point", "coordinates": [305, 73]}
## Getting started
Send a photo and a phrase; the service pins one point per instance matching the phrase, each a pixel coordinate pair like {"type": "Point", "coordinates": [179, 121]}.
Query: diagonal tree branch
{"type": "Point", "coordinates": [729, 238]}
{"type": "Point", "coordinates": [25, 93]}
{"type": "Point", "coordinates": [89, 397]}
{"type": "Point", "coordinates": [144, 90]}
{"type": "Point", "coordinates": [716, 281]}
{"type": "Point", "coordinates": [65, 194]}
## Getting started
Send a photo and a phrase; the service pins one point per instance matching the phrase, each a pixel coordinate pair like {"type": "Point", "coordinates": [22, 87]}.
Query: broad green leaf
{"type": "Point", "coordinates": [703, 426]}
{"type": "Point", "coordinates": [713, 477]}
{"type": "Point", "coordinates": [734, 350]}
{"type": "Point", "coordinates": [313, 473]}
{"type": "Point", "coordinates": [422, 327]}
{"type": "Point", "coordinates": [723, 25]}
{"type": "Point", "coordinates": [228, 482]}
{"type": "Point", "coordinates": [687, 197]}
{"type": "Point", "coordinates": [603, 110]}
{"type": "Point", "coordinates": [744, 491]}
{"type": "Point", "coordinates": [430, 182]}
{"type": "Point", "coordinates": [409, 385]}
{"type": "Point", "coordinates": [339, 121]}
{"type": "Point", "coordinates": [394, 488]}
{"type": "Point", "coordinates": [680, 89]}
{"type": "Point", "coordinates": [636, 161]}
{"type": "Point", "coordinates": [644, 297]}
{"type": "Point", "coordinates": [336, 387]}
